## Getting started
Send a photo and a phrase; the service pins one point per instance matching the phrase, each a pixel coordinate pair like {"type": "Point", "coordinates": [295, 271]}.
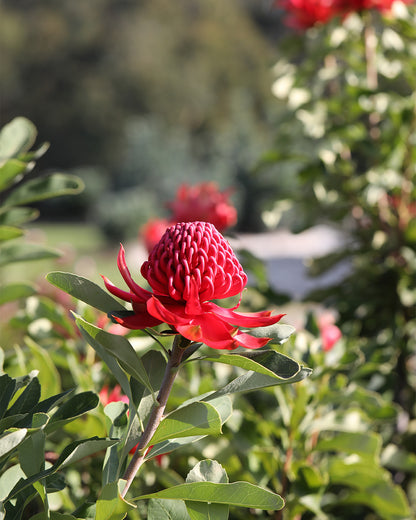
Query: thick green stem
{"type": "Point", "coordinates": [175, 357]}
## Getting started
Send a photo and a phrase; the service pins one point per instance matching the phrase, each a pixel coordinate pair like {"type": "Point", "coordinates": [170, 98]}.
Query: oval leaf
{"type": "Point", "coordinates": [9, 171]}
{"type": "Point", "coordinates": [120, 348]}
{"type": "Point", "coordinates": [9, 440]}
{"type": "Point", "coordinates": [241, 494]}
{"type": "Point", "coordinates": [278, 333]}
{"type": "Point", "coordinates": [207, 471]}
{"type": "Point", "coordinates": [16, 137]}
{"type": "Point", "coordinates": [23, 252]}
{"type": "Point", "coordinates": [267, 362]}
{"type": "Point", "coordinates": [9, 232]}
{"type": "Point", "coordinates": [110, 504]}
{"type": "Point", "coordinates": [15, 291]}
{"type": "Point", "coordinates": [84, 290]}
{"type": "Point", "coordinates": [54, 185]}
{"type": "Point", "coordinates": [195, 419]}
{"type": "Point", "coordinates": [254, 381]}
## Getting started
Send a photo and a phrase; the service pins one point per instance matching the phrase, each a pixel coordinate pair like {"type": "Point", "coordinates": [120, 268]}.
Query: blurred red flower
{"type": "Point", "coordinates": [152, 232]}
{"type": "Point", "coordinates": [191, 265]}
{"type": "Point", "coordinates": [359, 5]}
{"type": "Point", "coordinates": [205, 203]}
{"type": "Point", "coordinates": [330, 333]}
{"type": "Point", "coordinates": [113, 396]}
{"type": "Point", "coordinates": [302, 14]}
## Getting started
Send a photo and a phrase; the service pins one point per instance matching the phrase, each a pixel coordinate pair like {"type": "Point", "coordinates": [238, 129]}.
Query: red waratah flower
{"type": "Point", "coordinates": [190, 266]}
{"type": "Point", "coordinates": [302, 14]}
{"type": "Point", "coordinates": [205, 203]}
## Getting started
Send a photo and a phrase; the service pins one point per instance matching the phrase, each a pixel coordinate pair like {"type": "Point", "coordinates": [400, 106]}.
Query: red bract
{"type": "Point", "coordinates": [191, 265]}
{"type": "Point", "coordinates": [205, 203]}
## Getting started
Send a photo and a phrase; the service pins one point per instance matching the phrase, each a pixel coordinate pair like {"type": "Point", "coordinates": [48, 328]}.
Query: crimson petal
{"type": "Point", "coordinates": [124, 295]}
{"type": "Point", "coordinates": [248, 319]}
{"type": "Point", "coordinates": [125, 273]}
{"type": "Point", "coordinates": [142, 320]}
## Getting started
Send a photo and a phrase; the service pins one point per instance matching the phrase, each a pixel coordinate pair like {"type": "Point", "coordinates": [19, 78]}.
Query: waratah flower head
{"type": "Point", "coordinates": [190, 266]}
{"type": "Point", "coordinates": [193, 261]}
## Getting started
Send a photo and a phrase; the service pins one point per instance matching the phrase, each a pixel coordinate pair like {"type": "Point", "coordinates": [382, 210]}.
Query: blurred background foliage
{"type": "Point", "coordinates": [311, 127]}
{"type": "Point", "coordinates": [141, 96]}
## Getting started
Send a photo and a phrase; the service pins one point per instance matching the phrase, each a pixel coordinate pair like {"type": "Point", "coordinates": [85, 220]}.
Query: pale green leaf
{"type": "Point", "coordinates": [367, 445]}
{"type": "Point", "coordinates": [267, 362]}
{"type": "Point", "coordinates": [9, 232]}
{"type": "Point", "coordinates": [48, 187]}
{"type": "Point", "coordinates": [15, 291]}
{"type": "Point", "coordinates": [49, 377]}
{"type": "Point", "coordinates": [120, 348]}
{"type": "Point", "coordinates": [241, 494]}
{"type": "Point", "coordinates": [84, 290]}
{"type": "Point", "coordinates": [205, 511]}
{"type": "Point", "coordinates": [16, 137]}
{"type": "Point", "coordinates": [278, 333]}
{"type": "Point", "coordinates": [10, 439]}
{"type": "Point", "coordinates": [166, 510]}
{"type": "Point", "coordinates": [25, 251]}
{"type": "Point", "coordinates": [110, 504]}
{"type": "Point", "coordinates": [207, 471]}
{"type": "Point", "coordinates": [10, 171]}
{"type": "Point", "coordinates": [196, 419]}
{"type": "Point", "coordinates": [32, 453]}
{"type": "Point", "coordinates": [254, 381]}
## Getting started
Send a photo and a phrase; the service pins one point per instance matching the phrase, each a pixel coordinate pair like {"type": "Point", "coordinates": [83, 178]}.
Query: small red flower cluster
{"type": "Point", "coordinates": [302, 14]}
{"type": "Point", "coordinates": [203, 202]}
{"type": "Point", "coordinates": [191, 265]}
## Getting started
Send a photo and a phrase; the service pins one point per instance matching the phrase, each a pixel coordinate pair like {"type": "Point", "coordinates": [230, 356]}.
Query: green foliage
{"type": "Point", "coordinates": [26, 424]}
{"type": "Point", "coordinates": [347, 138]}
{"type": "Point", "coordinates": [20, 185]}
{"type": "Point", "coordinates": [136, 127]}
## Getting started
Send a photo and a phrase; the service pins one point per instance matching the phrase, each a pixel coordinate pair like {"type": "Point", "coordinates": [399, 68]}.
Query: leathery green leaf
{"type": "Point", "coordinates": [254, 381]}
{"type": "Point", "coordinates": [267, 362]}
{"type": "Point", "coordinates": [16, 137]}
{"type": "Point", "coordinates": [10, 439]}
{"type": "Point", "coordinates": [54, 185]}
{"type": "Point", "coordinates": [9, 232]}
{"type": "Point", "coordinates": [15, 291]}
{"type": "Point", "coordinates": [207, 471]}
{"type": "Point", "coordinates": [23, 252]}
{"type": "Point", "coordinates": [196, 419]}
{"type": "Point", "coordinates": [84, 290]}
{"type": "Point", "coordinates": [240, 494]}
{"type": "Point", "coordinates": [110, 504]}
{"type": "Point", "coordinates": [120, 348]}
